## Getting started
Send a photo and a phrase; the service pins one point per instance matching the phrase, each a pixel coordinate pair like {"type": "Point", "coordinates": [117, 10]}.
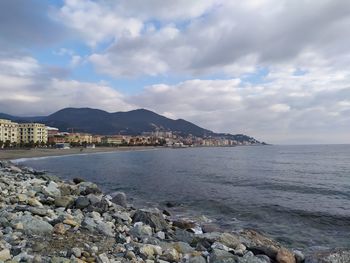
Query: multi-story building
{"type": "Point", "coordinates": [8, 131]}
{"type": "Point", "coordinates": [79, 138]}
{"type": "Point", "coordinates": [32, 132]}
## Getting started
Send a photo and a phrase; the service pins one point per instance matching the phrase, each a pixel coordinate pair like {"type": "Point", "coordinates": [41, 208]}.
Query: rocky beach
{"type": "Point", "coordinates": [46, 219]}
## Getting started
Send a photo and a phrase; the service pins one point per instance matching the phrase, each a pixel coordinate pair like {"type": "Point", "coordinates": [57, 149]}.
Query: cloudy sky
{"type": "Point", "coordinates": [278, 70]}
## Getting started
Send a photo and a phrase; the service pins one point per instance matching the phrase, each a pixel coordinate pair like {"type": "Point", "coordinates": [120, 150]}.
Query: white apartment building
{"type": "Point", "coordinates": [8, 131]}
{"type": "Point", "coordinates": [32, 132]}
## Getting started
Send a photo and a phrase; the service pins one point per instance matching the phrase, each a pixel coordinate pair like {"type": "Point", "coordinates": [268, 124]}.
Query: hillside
{"type": "Point", "coordinates": [132, 122]}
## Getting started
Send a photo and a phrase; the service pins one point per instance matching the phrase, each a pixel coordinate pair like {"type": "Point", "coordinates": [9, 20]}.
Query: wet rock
{"type": "Point", "coordinates": [120, 199]}
{"type": "Point", "coordinates": [78, 180]}
{"type": "Point", "coordinates": [151, 217]}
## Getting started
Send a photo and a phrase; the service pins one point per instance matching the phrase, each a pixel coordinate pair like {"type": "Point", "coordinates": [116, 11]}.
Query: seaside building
{"type": "Point", "coordinates": [117, 139]}
{"type": "Point", "coordinates": [32, 132]}
{"type": "Point", "coordinates": [79, 138]}
{"type": "Point", "coordinates": [8, 131]}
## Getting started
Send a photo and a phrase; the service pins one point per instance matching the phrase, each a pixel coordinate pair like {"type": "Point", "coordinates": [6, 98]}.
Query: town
{"type": "Point", "coordinates": [29, 135]}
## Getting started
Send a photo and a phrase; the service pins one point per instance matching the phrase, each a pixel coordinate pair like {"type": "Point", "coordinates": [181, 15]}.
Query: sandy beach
{"type": "Point", "coordinates": [42, 152]}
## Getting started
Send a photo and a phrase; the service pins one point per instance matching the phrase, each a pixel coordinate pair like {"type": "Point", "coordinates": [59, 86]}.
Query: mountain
{"type": "Point", "coordinates": [132, 122]}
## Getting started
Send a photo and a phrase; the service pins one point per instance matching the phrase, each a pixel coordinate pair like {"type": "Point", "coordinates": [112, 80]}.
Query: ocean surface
{"type": "Point", "coordinates": [299, 195]}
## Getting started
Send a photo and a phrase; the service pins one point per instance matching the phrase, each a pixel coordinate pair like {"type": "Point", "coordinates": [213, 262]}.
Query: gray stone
{"type": "Point", "coordinates": [221, 256]}
{"type": "Point", "coordinates": [102, 258]}
{"type": "Point", "coordinates": [151, 217]}
{"type": "Point", "coordinates": [120, 199]}
{"type": "Point", "coordinates": [52, 190]}
{"type": "Point", "coordinates": [33, 225]}
{"type": "Point", "coordinates": [76, 252]}
{"type": "Point", "coordinates": [82, 202]}
{"type": "Point", "coordinates": [105, 229]}
{"type": "Point", "coordinates": [197, 259]}
{"type": "Point", "coordinates": [140, 230]}
{"type": "Point", "coordinates": [64, 201]}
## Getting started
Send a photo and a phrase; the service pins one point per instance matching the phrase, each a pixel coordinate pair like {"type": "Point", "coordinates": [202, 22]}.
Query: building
{"type": "Point", "coordinates": [79, 138]}
{"type": "Point", "coordinates": [8, 131]}
{"type": "Point", "coordinates": [117, 140]}
{"type": "Point", "coordinates": [32, 133]}
{"type": "Point", "coordinates": [96, 139]}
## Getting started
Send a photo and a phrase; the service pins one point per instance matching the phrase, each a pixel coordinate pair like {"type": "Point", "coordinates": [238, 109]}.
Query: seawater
{"type": "Point", "coordinates": [299, 195]}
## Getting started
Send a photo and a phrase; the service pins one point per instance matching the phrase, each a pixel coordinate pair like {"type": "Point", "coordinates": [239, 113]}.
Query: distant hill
{"type": "Point", "coordinates": [132, 122]}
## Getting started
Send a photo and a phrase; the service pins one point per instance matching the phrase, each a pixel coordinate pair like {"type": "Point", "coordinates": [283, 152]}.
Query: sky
{"type": "Point", "coordinates": [277, 70]}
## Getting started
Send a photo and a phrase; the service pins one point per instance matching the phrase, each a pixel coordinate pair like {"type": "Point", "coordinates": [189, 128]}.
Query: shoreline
{"type": "Point", "coordinates": [48, 152]}
{"type": "Point", "coordinates": [44, 210]}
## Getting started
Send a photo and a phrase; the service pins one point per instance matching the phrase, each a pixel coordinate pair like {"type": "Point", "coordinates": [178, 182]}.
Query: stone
{"type": "Point", "coordinates": [250, 258]}
{"type": "Point", "coordinates": [34, 202]}
{"type": "Point", "coordinates": [299, 256]}
{"type": "Point", "coordinates": [140, 230]}
{"type": "Point", "coordinates": [76, 252]}
{"type": "Point", "coordinates": [259, 244]}
{"type": "Point", "coordinates": [151, 217]}
{"type": "Point", "coordinates": [150, 251]}
{"type": "Point", "coordinates": [86, 188]}
{"type": "Point", "coordinates": [70, 222]}
{"type": "Point", "coordinates": [5, 255]}
{"type": "Point", "coordinates": [160, 235]}
{"type": "Point", "coordinates": [105, 228]}
{"type": "Point", "coordinates": [120, 199]}
{"type": "Point", "coordinates": [18, 226]}
{"type": "Point", "coordinates": [184, 224]}
{"type": "Point", "coordinates": [102, 258]}
{"type": "Point", "coordinates": [59, 229]}
{"type": "Point", "coordinates": [52, 189]}
{"type": "Point", "coordinates": [22, 198]}
{"type": "Point", "coordinates": [221, 256]}
{"type": "Point", "coordinates": [82, 202]}
{"type": "Point", "coordinates": [171, 255]}
{"type": "Point", "coordinates": [183, 247]}
{"type": "Point", "coordinates": [197, 259]}
{"type": "Point", "coordinates": [229, 240]}
{"type": "Point", "coordinates": [285, 256]}
{"type": "Point", "coordinates": [64, 201]}
{"type": "Point", "coordinates": [33, 225]}
{"type": "Point", "coordinates": [78, 180]}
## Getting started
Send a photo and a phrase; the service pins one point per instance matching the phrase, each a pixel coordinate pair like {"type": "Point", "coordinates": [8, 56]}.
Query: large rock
{"type": "Point", "coordinates": [259, 244]}
{"type": "Point", "coordinates": [52, 189]}
{"type": "Point", "coordinates": [86, 188]}
{"type": "Point", "coordinates": [5, 255]}
{"type": "Point", "coordinates": [330, 256]}
{"type": "Point", "coordinates": [120, 199]}
{"type": "Point", "coordinates": [34, 225]}
{"type": "Point", "coordinates": [64, 201]}
{"type": "Point", "coordinates": [151, 217]}
{"type": "Point", "coordinates": [82, 202]}
{"type": "Point", "coordinates": [221, 256]}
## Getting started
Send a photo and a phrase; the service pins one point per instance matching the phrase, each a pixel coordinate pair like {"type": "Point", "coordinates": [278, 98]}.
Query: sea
{"type": "Point", "coordinates": [298, 195]}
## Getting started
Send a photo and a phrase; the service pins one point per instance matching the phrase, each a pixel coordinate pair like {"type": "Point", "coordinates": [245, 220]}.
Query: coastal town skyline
{"type": "Point", "coordinates": [282, 76]}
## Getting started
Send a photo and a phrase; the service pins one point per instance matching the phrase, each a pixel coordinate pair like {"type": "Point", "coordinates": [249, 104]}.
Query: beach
{"type": "Point", "coordinates": [11, 154]}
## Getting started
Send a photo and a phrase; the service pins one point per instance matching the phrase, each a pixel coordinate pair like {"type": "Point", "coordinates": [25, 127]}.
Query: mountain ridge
{"type": "Point", "coordinates": [132, 122]}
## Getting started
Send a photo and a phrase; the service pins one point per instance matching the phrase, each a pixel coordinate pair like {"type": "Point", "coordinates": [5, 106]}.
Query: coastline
{"type": "Point", "coordinates": [47, 219]}
{"type": "Point", "coordinates": [47, 152]}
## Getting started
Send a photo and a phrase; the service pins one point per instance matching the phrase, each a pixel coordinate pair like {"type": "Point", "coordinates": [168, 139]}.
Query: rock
{"type": "Point", "coordinates": [151, 217]}
{"type": "Point", "coordinates": [221, 256]}
{"type": "Point", "coordinates": [34, 202]}
{"type": "Point", "coordinates": [299, 256]}
{"type": "Point", "coordinates": [150, 251]}
{"type": "Point", "coordinates": [259, 244]}
{"type": "Point", "coordinates": [78, 180]}
{"type": "Point", "coordinates": [229, 240]}
{"type": "Point", "coordinates": [171, 255]}
{"type": "Point", "coordinates": [5, 255]}
{"type": "Point", "coordinates": [33, 225]}
{"type": "Point", "coordinates": [59, 229]}
{"type": "Point", "coordinates": [120, 199]}
{"type": "Point", "coordinates": [52, 189]}
{"type": "Point", "coordinates": [70, 222]}
{"type": "Point", "coordinates": [184, 224]}
{"type": "Point", "coordinates": [160, 235]}
{"type": "Point", "coordinates": [102, 258]}
{"type": "Point", "coordinates": [250, 258]}
{"type": "Point", "coordinates": [105, 229]}
{"type": "Point", "coordinates": [183, 247]}
{"type": "Point", "coordinates": [76, 252]}
{"type": "Point", "coordinates": [285, 256]}
{"type": "Point", "coordinates": [59, 260]}
{"type": "Point", "coordinates": [329, 256]}
{"type": "Point", "coordinates": [82, 202]}
{"type": "Point", "coordinates": [130, 255]}
{"type": "Point", "coordinates": [197, 259]}
{"type": "Point", "coordinates": [64, 201]}
{"type": "Point", "coordinates": [38, 211]}
{"type": "Point", "coordinates": [22, 198]}
{"type": "Point", "coordinates": [140, 230]}
{"type": "Point", "coordinates": [86, 188]}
